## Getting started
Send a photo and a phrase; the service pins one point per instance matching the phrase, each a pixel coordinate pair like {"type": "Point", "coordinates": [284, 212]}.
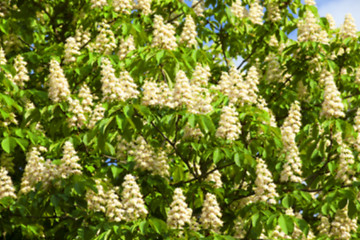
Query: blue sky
{"type": "Point", "coordinates": [339, 8]}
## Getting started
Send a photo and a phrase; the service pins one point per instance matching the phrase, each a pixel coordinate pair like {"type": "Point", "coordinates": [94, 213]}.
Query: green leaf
{"type": "Point", "coordinates": [116, 171]}
{"type": "Point", "coordinates": [8, 144]}
{"type": "Point", "coordinates": [286, 201]}
{"type": "Point", "coordinates": [237, 159]}
{"type": "Point", "coordinates": [206, 124]}
{"type": "Point", "coordinates": [216, 155]}
{"type": "Point", "coordinates": [158, 225]}
{"type": "Point", "coordinates": [286, 224]}
{"type": "Point", "coordinates": [159, 55]}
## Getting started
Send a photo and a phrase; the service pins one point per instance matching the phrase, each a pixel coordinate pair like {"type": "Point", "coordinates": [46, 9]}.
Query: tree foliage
{"type": "Point", "coordinates": [130, 120]}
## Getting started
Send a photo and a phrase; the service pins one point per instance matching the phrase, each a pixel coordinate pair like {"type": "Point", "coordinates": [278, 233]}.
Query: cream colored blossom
{"type": "Point", "coordinates": [332, 105]}
{"type": "Point", "coordinates": [123, 6]}
{"type": "Point", "coordinates": [188, 35]}
{"type": "Point", "coordinates": [132, 201]}
{"type": "Point", "coordinates": [310, 2]}
{"type": "Point", "coordinates": [274, 14]}
{"type": "Point", "coordinates": [232, 85]}
{"type": "Point", "coordinates": [114, 208]}
{"type": "Point", "coordinates": [22, 74]}
{"type": "Point", "coordinates": [324, 227]}
{"type": "Point", "coordinates": [179, 213]}
{"type": "Point", "coordinates": [98, 3]}
{"type": "Point", "coordinates": [199, 7]}
{"type": "Point", "coordinates": [113, 88]}
{"type": "Point", "coordinates": [211, 213]}
{"type": "Point", "coordinates": [86, 98]}
{"type": "Point", "coordinates": [78, 118]}
{"type": "Point", "coordinates": [348, 29]}
{"type": "Point", "coordinates": [144, 6]}
{"type": "Point", "coordinates": [293, 119]}
{"type": "Point", "coordinates": [347, 159]}
{"type": "Point", "coordinates": [261, 104]}
{"type": "Point", "coordinates": [105, 42]}
{"type": "Point", "coordinates": [252, 79]}
{"type": "Point", "coordinates": [126, 46]}
{"type": "Point", "coordinates": [229, 125]}
{"type": "Point", "coordinates": [59, 89]}
{"type": "Point", "coordinates": [331, 21]}
{"type": "Point", "coordinates": [72, 49]}
{"type": "Point", "coordinates": [3, 60]}
{"type": "Point", "coordinates": [69, 162]}
{"type": "Point", "coordinates": [97, 115]}
{"type": "Point", "coordinates": [164, 34]}
{"type": "Point", "coordinates": [201, 75]}
{"type": "Point", "coordinates": [215, 179]}
{"type": "Point", "coordinates": [182, 90]}
{"type": "Point", "coordinates": [342, 225]}
{"type": "Point", "coordinates": [157, 94]}
{"type": "Point", "coordinates": [310, 30]}
{"type": "Point", "coordinates": [238, 9]}
{"type": "Point", "coordinates": [256, 13]}
{"type": "Point", "coordinates": [265, 189]}
{"type": "Point", "coordinates": [6, 185]}
{"type": "Point", "coordinates": [96, 201]}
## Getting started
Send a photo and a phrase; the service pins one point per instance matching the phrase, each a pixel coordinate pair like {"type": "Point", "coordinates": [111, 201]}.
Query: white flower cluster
{"type": "Point", "coordinates": [256, 13]}
{"type": "Point", "coordinates": [229, 125]}
{"type": "Point", "coordinates": [331, 21]}
{"type": "Point", "coordinates": [82, 37]}
{"type": "Point", "coordinates": [342, 225]}
{"type": "Point", "coordinates": [238, 10]}
{"type": "Point", "coordinates": [215, 179]}
{"type": "Point", "coordinates": [86, 98]}
{"type": "Point", "coordinates": [157, 94]}
{"type": "Point", "coordinates": [59, 89]}
{"type": "Point", "coordinates": [274, 14]}
{"type": "Point", "coordinates": [97, 115]}
{"type": "Point", "coordinates": [144, 6]}
{"type": "Point", "coordinates": [232, 85]}
{"type": "Point", "coordinates": [199, 7]}
{"type": "Point", "coordinates": [240, 232]}
{"type": "Point", "coordinates": [98, 3]}
{"type": "Point", "coordinates": [261, 104]}
{"type": "Point", "coordinates": [144, 155]}
{"type": "Point", "coordinates": [114, 208]}
{"type": "Point", "coordinates": [113, 88]}
{"type": "Point", "coordinates": [188, 35]}
{"type": "Point", "coordinates": [347, 159]}
{"type": "Point", "coordinates": [96, 201]}
{"type": "Point", "coordinates": [310, 2]}
{"type": "Point", "coordinates": [324, 227]}
{"type": "Point", "coordinates": [211, 213]}
{"type": "Point", "coordinates": [6, 186]}
{"type": "Point", "coordinates": [36, 170]}
{"type": "Point", "coordinates": [273, 71]}
{"type": "Point", "coordinates": [182, 90]}
{"type": "Point", "coordinates": [105, 42]}
{"type": "Point", "coordinates": [164, 34]}
{"type": "Point", "coordinates": [133, 204]}
{"type": "Point", "coordinates": [106, 202]}
{"type": "Point", "coordinates": [265, 189]}
{"type": "Point", "coordinates": [22, 74]}
{"type": "Point", "coordinates": [293, 119]}
{"type": "Point", "coordinates": [69, 162]}
{"type": "Point", "coordinates": [348, 29]}
{"type": "Point", "coordinates": [126, 46]}
{"type": "Point", "coordinates": [3, 60]}
{"type": "Point", "coordinates": [190, 132]}
{"type": "Point", "coordinates": [72, 49]}
{"type": "Point", "coordinates": [179, 213]}
{"type": "Point", "coordinates": [297, 233]}
{"type": "Point", "coordinates": [310, 30]}
{"type": "Point", "coordinates": [200, 75]}
{"type": "Point", "coordinates": [292, 167]}
{"type": "Point", "coordinates": [332, 105]}
{"type": "Point", "coordinates": [252, 79]}
{"type": "Point", "coordinates": [123, 6]}
{"type": "Point", "coordinates": [78, 118]}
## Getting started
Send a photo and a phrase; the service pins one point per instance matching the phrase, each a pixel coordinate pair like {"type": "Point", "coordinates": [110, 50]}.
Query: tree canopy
{"type": "Point", "coordinates": [165, 119]}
